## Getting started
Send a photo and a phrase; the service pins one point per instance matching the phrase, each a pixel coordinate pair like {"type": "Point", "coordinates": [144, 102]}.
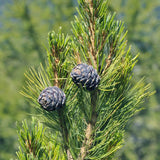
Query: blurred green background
{"type": "Point", "coordinates": [24, 27]}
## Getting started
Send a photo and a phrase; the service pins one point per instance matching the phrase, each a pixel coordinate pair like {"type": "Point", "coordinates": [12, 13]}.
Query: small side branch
{"type": "Point", "coordinates": [89, 130]}
{"type": "Point", "coordinates": [64, 134]}
{"type": "Point", "coordinates": [87, 142]}
{"type": "Point", "coordinates": [55, 66]}
{"type": "Point", "coordinates": [64, 130]}
{"type": "Point", "coordinates": [92, 51]}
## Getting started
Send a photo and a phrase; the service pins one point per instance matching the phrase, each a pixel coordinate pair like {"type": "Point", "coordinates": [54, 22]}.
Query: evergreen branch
{"type": "Point", "coordinates": [55, 67]}
{"type": "Point", "coordinates": [34, 144]}
{"type": "Point", "coordinates": [87, 142]}
{"type": "Point", "coordinates": [90, 127]}
{"type": "Point", "coordinates": [37, 82]}
{"type": "Point", "coordinates": [58, 59]}
{"type": "Point", "coordinates": [92, 123]}
{"type": "Point", "coordinates": [64, 132]}
{"type": "Point", "coordinates": [92, 33]}
{"type": "Point", "coordinates": [31, 142]}
{"type": "Point", "coordinates": [58, 45]}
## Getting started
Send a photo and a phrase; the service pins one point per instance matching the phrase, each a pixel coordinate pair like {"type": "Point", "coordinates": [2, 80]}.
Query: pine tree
{"type": "Point", "coordinates": [86, 92]}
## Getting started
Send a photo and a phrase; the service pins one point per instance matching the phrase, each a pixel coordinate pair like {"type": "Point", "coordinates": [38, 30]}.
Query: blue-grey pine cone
{"type": "Point", "coordinates": [85, 75]}
{"type": "Point", "coordinates": [51, 98]}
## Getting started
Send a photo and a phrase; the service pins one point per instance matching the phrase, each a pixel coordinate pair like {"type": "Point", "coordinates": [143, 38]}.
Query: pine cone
{"type": "Point", "coordinates": [85, 75]}
{"type": "Point", "coordinates": [51, 98]}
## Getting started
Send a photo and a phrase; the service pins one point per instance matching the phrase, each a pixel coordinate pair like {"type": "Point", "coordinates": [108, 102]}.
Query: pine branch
{"type": "Point", "coordinates": [56, 49]}
{"type": "Point", "coordinates": [33, 143]}
{"type": "Point", "coordinates": [64, 133]}
{"type": "Point", "coordinates": [55, 65]}
{"type": "Point", "coordinates": [90, 127]}
{"type": "Point", "coordinates": [93, 120]}
{"type": "Point", "coordinates": [92, 32]}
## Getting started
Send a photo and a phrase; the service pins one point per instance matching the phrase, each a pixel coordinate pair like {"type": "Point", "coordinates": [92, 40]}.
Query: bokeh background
{"type": "Point", "coordinates": [24, 27]}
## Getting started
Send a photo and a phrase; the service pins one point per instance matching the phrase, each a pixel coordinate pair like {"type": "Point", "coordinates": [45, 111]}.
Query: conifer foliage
{"type": "Point", "coordinates": [90, 124]}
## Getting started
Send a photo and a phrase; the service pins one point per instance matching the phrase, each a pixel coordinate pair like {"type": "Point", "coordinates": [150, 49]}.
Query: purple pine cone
{"type": "Point", "coordinates": [51, 98]}
{"type": "Point", "coordinates": [85, 75]}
